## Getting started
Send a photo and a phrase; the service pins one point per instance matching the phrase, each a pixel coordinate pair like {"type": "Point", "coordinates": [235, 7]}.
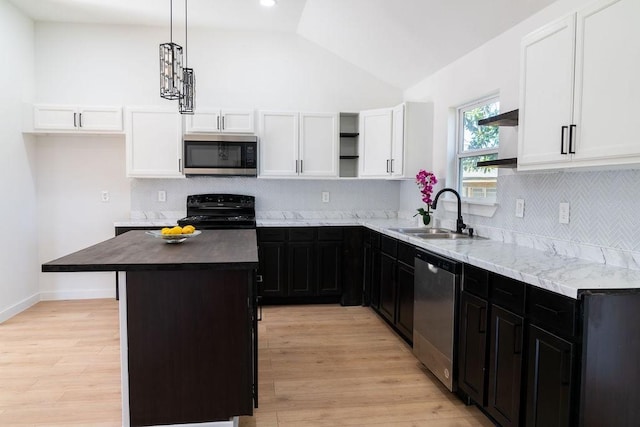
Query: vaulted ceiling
{"type": "Point", "coordinates": [398, 41]}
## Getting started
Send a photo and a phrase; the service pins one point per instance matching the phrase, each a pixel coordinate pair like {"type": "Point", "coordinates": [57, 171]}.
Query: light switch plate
{"type": "Point", "coordinates": [162, 196]}
{"type": "Point", "coordinates": [563, 214]}
{"type": "Point", "coordinates": [104, 196]}
{"type": "Point", "coordinates": [520, 208]}
{"type": "Point", "coordinates": [325, 197]}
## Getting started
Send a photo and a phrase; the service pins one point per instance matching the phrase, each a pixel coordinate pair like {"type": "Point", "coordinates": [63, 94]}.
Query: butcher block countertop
{"type": "Point", "coordinates": [138, 251]}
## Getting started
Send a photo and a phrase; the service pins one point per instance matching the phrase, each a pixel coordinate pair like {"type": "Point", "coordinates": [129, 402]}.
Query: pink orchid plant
{"type": "Point", "coordinates": [426, 181]}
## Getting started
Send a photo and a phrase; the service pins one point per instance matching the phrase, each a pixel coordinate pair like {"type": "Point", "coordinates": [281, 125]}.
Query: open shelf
{"type": "Point", "coordinates": [510, 118]}
{"type": "Point", "coordinates": [499, 163]}
{"type": "Point", "coordinates": [348, 134]}
{"type": "Point", "coordinates": [349, 157]}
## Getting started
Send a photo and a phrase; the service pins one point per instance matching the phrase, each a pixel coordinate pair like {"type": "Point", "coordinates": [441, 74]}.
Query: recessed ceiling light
{"type": "Point", "coordinates": [268, 3]}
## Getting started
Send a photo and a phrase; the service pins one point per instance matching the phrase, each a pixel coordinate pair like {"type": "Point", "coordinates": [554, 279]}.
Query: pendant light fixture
{"type": "Point", "coordinates": [187, 99]}
{"type": "Point", "coordinates": [170, 65]}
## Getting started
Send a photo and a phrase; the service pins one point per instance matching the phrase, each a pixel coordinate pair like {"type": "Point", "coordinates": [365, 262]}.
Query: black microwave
{"type": "Point", "coordinates": [220, 154]}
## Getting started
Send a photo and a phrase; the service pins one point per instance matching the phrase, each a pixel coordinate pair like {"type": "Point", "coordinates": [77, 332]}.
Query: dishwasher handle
{"type": "Point", "coordinates": [440, 262]}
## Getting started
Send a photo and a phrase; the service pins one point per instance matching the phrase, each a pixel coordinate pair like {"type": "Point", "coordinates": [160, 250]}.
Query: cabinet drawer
{"type": "Point", "coordinates": [304, 234]}
{"type": "Point", "coordinates": [272, 234]}
{"type": "Point", "coordinates": [554, 312]}
{"type": "Point", "coordinates": [406, 253]}
{"type": "Point", "coordinates": [508, 293]}
{"type": "Point", "coordinates": [389, 246]}
{"type": "Point", "coordinates": [330, 233]}
{"type": "Point", "coordinates": [475, 281]}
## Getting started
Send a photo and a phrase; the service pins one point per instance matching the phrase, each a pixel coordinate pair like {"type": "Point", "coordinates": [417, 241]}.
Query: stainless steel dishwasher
{"type": "Point", "coordinates": [437, 286]}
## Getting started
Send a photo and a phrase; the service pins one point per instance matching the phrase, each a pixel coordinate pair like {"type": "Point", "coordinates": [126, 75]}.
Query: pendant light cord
{"type": "Point", "coordinates": [186, 43]}
{"type": "Point", "coordinates": [171, 21]}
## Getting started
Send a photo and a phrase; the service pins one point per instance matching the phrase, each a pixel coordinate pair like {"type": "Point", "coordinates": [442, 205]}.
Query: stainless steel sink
{"type": "Point", "coordinates": [421, 230]}
{"type": "Point", "coordinates": [432, 233]}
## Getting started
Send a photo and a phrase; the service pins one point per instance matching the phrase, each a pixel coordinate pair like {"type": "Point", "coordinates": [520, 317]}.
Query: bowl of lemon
{"type": "Point", "coordinates": [175, 234]}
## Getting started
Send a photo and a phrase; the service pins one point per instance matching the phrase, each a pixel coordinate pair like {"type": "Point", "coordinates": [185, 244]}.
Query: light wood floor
{"type": "Point", "coordinates": [319, 366]}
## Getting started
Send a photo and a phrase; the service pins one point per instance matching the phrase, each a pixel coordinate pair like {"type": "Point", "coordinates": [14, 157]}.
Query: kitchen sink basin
{"type": "Point", "coordinates": [433, 233]}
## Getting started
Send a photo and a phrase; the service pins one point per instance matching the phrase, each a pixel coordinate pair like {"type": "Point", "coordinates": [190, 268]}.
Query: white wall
{"type": "Point", "coordinates": [604, 226]}
{"type": "Point", "coordinates": [118, 65]}
{"type": "Point", "coordinates": [72, 173]}
{"type": "Point", "coordinates": [18, 252]}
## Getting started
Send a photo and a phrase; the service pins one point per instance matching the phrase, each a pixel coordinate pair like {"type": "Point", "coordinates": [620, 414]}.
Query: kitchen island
{"type": "Point", "coordinates": [188, 333]}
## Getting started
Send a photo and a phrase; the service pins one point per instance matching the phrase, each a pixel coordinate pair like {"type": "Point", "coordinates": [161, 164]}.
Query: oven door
{"type": "Point", "coordinates": [221, 155]}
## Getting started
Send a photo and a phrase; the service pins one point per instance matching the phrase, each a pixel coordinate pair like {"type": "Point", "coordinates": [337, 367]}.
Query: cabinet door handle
{"type": "Point", "coordinates": [505, 292]}
{"type": "Point", "coordinates": [179, 165]}
{"type": "Point", "coordinates": [387, 165]}
{"type": "Point", "coordinates": [75, 125]}
{"type": "Point", "coordinates": [218, 122]}
{"type": "Point", "coordinates": [550, 310]}
{"type": "Point", "coordinates": [562, 132]}
{"type": "Point", "coordinates": [571, 133]}
{"type": "Point", "coordinates": [517, 339]}
{"type": "Point", "coordinates": [565, 368]}
{"type": "Point", "coordinates": [392, 171]}
{"type": "Point", "coordinates": [482, 322]}
{"type": "Point", "coordinates": [296, 166]}
{"type": "Point", "coordinates": [301, 165]}
{"type": "Point", "coordinates": [222, 122]}
{"type": "Point", "coordinates": [80, 120]}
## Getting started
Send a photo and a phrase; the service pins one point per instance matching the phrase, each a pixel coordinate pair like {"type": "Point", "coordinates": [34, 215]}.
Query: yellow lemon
{"type": "Point", "coordinates": [165, 230]}
{"type": "Point", "coordinates": [176, 230]}
{"type": "Point", "coordinates": [188, 229]}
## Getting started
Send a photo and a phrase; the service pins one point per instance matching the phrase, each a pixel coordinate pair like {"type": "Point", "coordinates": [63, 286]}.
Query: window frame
{"type": "Point", "coordinates": [461, 153]}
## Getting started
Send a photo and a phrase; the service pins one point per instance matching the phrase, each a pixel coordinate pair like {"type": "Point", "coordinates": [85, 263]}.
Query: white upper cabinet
{"type": "Point", "coordinates": [581, 112]}
{"type": "Point", "coordinates": [396, 142]}
{"type": "Point", "coordinates": [375, 143]}
{"type": "Point", "coordinates": [153, 142]}
{"type": "Point", "coordinates": [220, 120]}
{"type": "Point", "coordinates": [318, 146]}
{"type": "Point", "coordinates": [298, 144]}
{"type": "Point", "coordinates": [73, 118]}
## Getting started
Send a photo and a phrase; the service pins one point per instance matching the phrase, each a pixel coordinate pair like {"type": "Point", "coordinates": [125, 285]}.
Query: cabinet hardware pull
{"type": "Point", "coordinates": [218, 122]}
{"type": "Point", "coordinates": [550, 310]}
{"type": "Point", "coordinates": [259, 278]}
{"type": "Point", "coordinates": [565, 368]}
{"type": "Point", "coordinates": [387, 165]}
{"type": "Point", "coordinates": [502, 291]}
{"type": "Point", "coordinates": [482, 323]}
{"type": "Point", "coordinates": [562, 132]}
{"type": "Point", "coordinates": [301, 165]}
{"type": "Point", "coordinates": [392, 171]}
{"type": "Point", "coordinates": [571, 148]}
{"type": "Point", "coordinates": [517, 339]}
{"type": "Point", "coordinates": [74, 120]}
{"type": "Point", "coordinates": [179, 165]}
{"type": "Point", "coordinates": [259, 303]}
{"type": "Point", "coordinates": [222, 122]}
{"type": "Point", "coordinates": [296, 166]}
{"type": "Point", "coordinates": [80, 120]}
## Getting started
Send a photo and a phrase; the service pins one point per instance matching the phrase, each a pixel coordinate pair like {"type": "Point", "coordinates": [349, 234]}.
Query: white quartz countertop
{"type": "Point", "coordinates": [544, 269]}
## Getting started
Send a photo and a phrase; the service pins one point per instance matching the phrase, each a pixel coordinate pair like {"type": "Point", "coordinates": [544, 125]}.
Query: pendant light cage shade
{"type": "Point", "coordinates": [170, 70]}
{"type": "Point", "coordinates": [188, 98]}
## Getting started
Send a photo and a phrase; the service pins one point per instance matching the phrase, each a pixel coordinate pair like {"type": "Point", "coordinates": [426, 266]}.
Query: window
{"type": "Point", "coordinates": [477, 143]}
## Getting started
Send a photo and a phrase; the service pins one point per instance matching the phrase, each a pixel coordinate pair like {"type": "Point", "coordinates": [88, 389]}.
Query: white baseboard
{"type": "Point", "coordinates": [19, 307]}
{"type": "Point", "coordinates": [77, 294]}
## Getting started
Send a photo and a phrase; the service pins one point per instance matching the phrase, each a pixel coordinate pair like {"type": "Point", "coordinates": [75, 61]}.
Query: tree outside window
{"type": "Point", "coordinates": [477, 143]}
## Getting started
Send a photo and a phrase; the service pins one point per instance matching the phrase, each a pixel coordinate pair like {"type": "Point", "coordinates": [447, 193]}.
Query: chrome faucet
{"type": "Point", "coordinates": [460, 225]}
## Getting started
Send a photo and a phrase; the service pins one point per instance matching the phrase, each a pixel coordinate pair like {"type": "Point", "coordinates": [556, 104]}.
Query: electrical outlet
{"type": "Point", "coordinates": [563, 215]}
{"type": "Point", "coordinates": [104, 196]}
{"type": "Point", "coordinates": [520, 208]}
{"type": "Point", "coordinates": [325, 197]}
{"type": "Point", "coordinates": [162, 196]}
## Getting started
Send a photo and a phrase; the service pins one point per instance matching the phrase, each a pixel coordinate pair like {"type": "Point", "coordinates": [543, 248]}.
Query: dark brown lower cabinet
{"type": "Point", "coordinates": [549, 379]}
{"type": "Point", "coordinates": [310, 265]}
{"type": "Point", "coordinates": [388, 286]}
{"type": "Point", "coordinates": [472, 347]}
{"type": "Point", "coordinates": [404, 311]}
{"type": "Point", "coordinates": [505, 366]}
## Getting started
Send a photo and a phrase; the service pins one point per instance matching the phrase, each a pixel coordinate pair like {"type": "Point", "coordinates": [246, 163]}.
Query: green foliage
{"type": "Point", "coordinates": [479, 137]}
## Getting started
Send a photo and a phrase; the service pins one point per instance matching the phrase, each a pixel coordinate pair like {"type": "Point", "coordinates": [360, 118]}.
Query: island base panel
{"type": "Point", "coordinates": [189, 346]}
